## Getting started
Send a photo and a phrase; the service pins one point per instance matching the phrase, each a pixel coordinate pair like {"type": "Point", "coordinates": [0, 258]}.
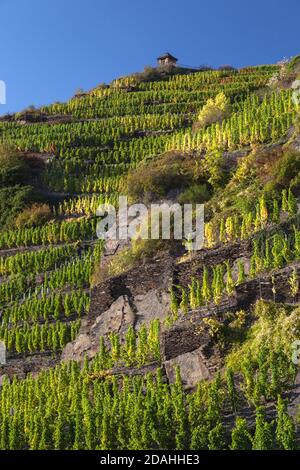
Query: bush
{"type": "Point", "coordinates": [284, 171]}
{"type": "Point", "coordinates": [154, 179]}
{"type": "Point", "coordinates": [13, 167]}
{"type": "Point", "coordinates": [294, 64]}
{"type": "Point", "coordinates": [13, 199]}
{"type": "Point", "coordinates": [214, 110]}
{"type": "Point", "coordinates": [126, 259]}
{"type": "Point", "coordinates": [195, 194]}
{"type": "Point", "coordinates": [226, 68]}
{"type": "Point", "coordinates": [33, 216]}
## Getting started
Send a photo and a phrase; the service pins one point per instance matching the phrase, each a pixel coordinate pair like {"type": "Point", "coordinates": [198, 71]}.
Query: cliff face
{"type": "Point", "coordinates": [143, 294]}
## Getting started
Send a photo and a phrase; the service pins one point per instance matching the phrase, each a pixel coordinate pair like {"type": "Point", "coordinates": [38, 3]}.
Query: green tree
{"type": "Point", "coordinates": [206, 293]}
{"type": "Point", "coordinates": [263, 437]}
{"type": "Point", "coordinates": [184, 304]}
{"type": "Point", "coordinates": [292, 204]}
{"type": "Point", "coordinates": [216, 440]}
{"type": "Point", "coordinates": [240, 436]}
{"type": "Point", "coordinates": [241, 272]}
{"type": "Point", "coordinates": [229, 279]}
{"type": "Point", "coordinates": [199, 439]}
{"type": "Point", "coordinates": [275, 212]}
{"type": "Point", "coordinates": [231, 388]}
{"type": "Point", "coordinates": [285, 427]}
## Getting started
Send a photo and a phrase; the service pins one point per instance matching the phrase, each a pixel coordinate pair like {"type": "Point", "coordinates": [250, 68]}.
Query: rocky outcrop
{"type": "Point", "coordinates": [134, 298]}
{"type": "Point", "coordinates": [116, 319]}
{"type": "Point", "coordinates": [20, 365]}
{"type": "Point", "coordinates": [122, 313]}
{"type": "Point", "coordinates": [142, 294]}
{"type": "Point", "coordinates": [192, 368]}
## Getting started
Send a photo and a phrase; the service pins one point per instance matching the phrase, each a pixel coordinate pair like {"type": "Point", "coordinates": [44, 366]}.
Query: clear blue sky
{"type": "Point", "coordinates": [49, 48]}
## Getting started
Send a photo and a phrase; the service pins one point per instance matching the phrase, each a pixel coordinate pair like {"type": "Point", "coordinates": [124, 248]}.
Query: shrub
{"type": "Point", "coordinates": [154, 179]}
{"type": "Point", "coordinates": [12, 166]}
{"type": "Point", "coordinates": [226, 68]}
{"type": "Point", "coordinates": [294, 64]}
{"type": "Point", "coordinates": [32, 216]}
{"type": "Point", "coordinates": [195, 194]}
{"type": "Point", "coordinates": [284, 171]}
{"type": "Point", "coordinates": [125, 259]}
{"type": "Point", "coordinates": [13, 199]}
{"type": "Point", "coordinates": [214, 110]}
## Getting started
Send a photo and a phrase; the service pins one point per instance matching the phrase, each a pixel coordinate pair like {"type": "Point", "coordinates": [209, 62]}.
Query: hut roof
{"type": "Point", "coordinates": [167, 55]}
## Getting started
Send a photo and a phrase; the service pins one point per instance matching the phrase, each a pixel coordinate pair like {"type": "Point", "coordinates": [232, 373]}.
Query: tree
{"type": "Point", "coordinates": [292, 203]}
{"type": "Point", "coordinates": [240, 436]}
{"type": "Point", "coordinates": [277, 251]}
{"type": "Point", "coordinates": [89, 423]}
{"type": "Point", "coordinates": [13, 167]}
{"type": "Point", "coordinates": [216, 439]}
{"type": "Point", "coordinates": [222, 232]}
{"type": "Point", "coordinates": [142, 347]}
{"type": "Point", "coordinates": [296, 242]}
{"type": "Point", "coordinates": [263, 210]}
{"type": "Point", "coordinates": [173, 303]}
{"type": "Point", "coordinates": [241, 273]}
{"type": "Point", "coordinates": [79, 431]}
{"type": "Point", "coordinates": [267, 257]}
{"type": "Point", "coordinates": [284, 201]}
{"type": "Point", "coordinates": [181, 429]}
{"type": "Point", "coordinates": [15, 440]}
{"type": "Point", "coordinates": [232, 392]}
{"type": "Point", "coordinates": [294, 283]}
{"type": "Point", "coordinates": [230, 228]}
{"type": "Point", "coordinates": [285, 427]}
{"type": "Point", "coordinates": [206, 293]}
{"type": "Point", "coordinates": [214, 402]}
{"type": "Point", "coordinates": [130, 346]}
{"type": "Point", "coordinates": [115, 349]}
{"type": "Point", "coordinates": [103, 355]}
{"type": "Point", "coordinates": [209, 235]}
{"type": "Point", "coordinates": [229, 280]}
{"type": "Point", "coordinates": [214, 110]}
{"type": "Point", "coordinates": [4, 435]}
{"type": "Point", "coordinates": [199, 439]}
{"type": "Point", "coordinates": [59, 435]}
{"type": "Point", "coordinates": [263, 437]}
{"type": "Point", "coordinates": [184, 304]}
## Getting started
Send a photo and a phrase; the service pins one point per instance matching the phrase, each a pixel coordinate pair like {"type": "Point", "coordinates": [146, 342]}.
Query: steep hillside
{"type": "Point", "coordinates": [147, 344]}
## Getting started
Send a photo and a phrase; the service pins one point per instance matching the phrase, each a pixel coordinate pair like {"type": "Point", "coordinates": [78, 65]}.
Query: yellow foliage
{"type": "Point", "coordinates": [214, 110]}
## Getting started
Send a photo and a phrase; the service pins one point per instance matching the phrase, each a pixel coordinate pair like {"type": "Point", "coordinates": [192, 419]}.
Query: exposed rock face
{"type": "Point", "coordinates": [193, 350]}
{"type": "Point", "coordinates": [116, 319]}
{"type": "Point", "coordinates": [141, 295]}
{"type": "Point", "coordinates": [77, 350]}
{"type": "Point", "coordinates": [194, 267]}
{"type": "Point", "coordinates": [182, 339]}
{"type": "Point", "coordinates": [192, 368]}
{"type": "Point", "coordinates": [274, 288]}
{"type": "Point", "coordinates": [185, 347]}
{"type": "Point", "coordinates": [20, 366]}
{"type": "Point", "coordinates": [122, 313]}
{"type": "Point", "coordinates": [154, 304]}
{"type": "Point", "coordinates": [143, 285]}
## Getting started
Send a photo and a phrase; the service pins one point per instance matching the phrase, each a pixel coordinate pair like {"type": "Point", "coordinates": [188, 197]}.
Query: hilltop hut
{"type": "Point", "coordinates": [166, 59]}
